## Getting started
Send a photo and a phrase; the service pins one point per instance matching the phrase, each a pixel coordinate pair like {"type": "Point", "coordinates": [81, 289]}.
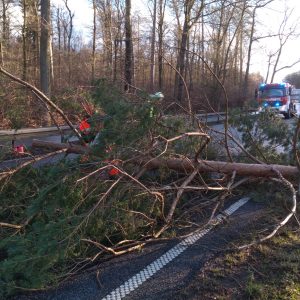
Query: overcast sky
{"type": "Point", "coordinates": [269, 20]}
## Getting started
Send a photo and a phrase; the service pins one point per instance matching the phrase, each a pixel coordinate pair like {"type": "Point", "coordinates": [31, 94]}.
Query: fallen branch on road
{"type": "Point", "coordinates": [33, 159]}
{"type": "Point", "coordinates": [188, 165]}
{"type": "Point", "coordinates": [244, 169]}
{"type": "Point", "coordinates": [59, 146]}
{"type": "Point", "coordinates": [292, 213]}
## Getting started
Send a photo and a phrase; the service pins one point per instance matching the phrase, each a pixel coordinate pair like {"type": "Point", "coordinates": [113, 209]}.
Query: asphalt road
{"type": "Point", "coordinates": [26, 139]}
{"type": "Point", "coordinates": [214, 122]}
{"type": "Point", "coordinates": [168, 281]}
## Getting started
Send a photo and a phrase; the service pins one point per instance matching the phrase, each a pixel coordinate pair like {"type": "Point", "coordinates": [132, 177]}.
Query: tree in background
{"type": "Point", "coordinates": [152, 54]}
{"type": "Point", "coordinates": [294, 79]}
{"type": "Point", "coordinates": [192, 11]}
{"type": "Point", "coordinates": [173, 49]}
{"type": "Point", "coordinates": [94, 39]}
{"type": "Point", "coordinates": [129, 70]}
{"type": "Point", "coordinates": [45, 55]}
{"type": "Point", "coordinates": [285, 33]}
{"type": "Point", "coordinates": [68, 34]}
{"type": "Point", "coordinates": [45, 47]}
{"type": "Point", "coordinates": [161, 30]}
{"type": "Point", "coordinates": [5, 27]}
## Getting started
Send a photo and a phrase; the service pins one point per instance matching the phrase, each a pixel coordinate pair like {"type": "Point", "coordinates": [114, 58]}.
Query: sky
{"type": "Point", "coordinates": [268, 21]}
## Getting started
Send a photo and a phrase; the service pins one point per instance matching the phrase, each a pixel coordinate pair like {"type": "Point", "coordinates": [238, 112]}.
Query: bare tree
{"type": "Point", "coordinates": [68, 28]}
{"type": "Point", "coordinates": [45, 47]}
{"type": "Point", "coordinates": [259, 4]}
{"type": "Point", "coordinates": [94, 39]}
{"type": "Point", "coordinates": [129, 71]}
{"type": "Point", "coordinates": [285, 33]}
{"type": "Point", "coordinates": [45, 56]}
{"type": "Point", "coordinates": [105, 11]}
{"type": "Point", "coordinates": [117, 36]}
{"type": "Point", "coordinates": [5, 28]}
{"type": "Point", "coordinates": [152, 52]}
{"type": "Point", "coordinates": [161, 17]}
{"type": "Point", "coordinates": [192, 12]}
{"type": "Point", "coordinates": [30, 38]}
{"type": "Point", "coordinates": [24, 41]}
{"type": "Point", "coordinates": [59, 44]}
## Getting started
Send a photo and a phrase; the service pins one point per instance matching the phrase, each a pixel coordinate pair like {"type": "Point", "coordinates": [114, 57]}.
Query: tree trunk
{"type": "Point", "coordinates": [1, 54]}
{"type": "Point", "coordinates": [69, 38]}
{"type": "Point", "coordinates": [44, 57]}
{"type": "Point", "coordinates": [58, 28]}
{"type": "Point", "coordinates": [162, 5]}
{"type": "Point", "coordinates": [186, 165]}
{"type": "Point", "coordinates": [246, 78]}
{"type": "Point", "coordinates": [94, 41]}
{"type": "Point", "coordinates": [128, 48]}
{"type": "Point", "coordinates": [60, 146]}
{"type": "Point", "coordinates": [4, 40]}
{"type": "Point", "coordinates": [244, 169]}
{"type": "Point", "coordinates": [181, 61]}
{"type": "Point", "coordinates": [117, 51]}
{"type": "Point", "coordinates": [24, 44]}
{"type": "Point", "coordinates": [45, 47]}
{"type": "Point", "coordinates": [152, 55]}
{"type": "Point", "coordinates": [5, 25]}
{"type": "Point", "coordinates": [191, 16]}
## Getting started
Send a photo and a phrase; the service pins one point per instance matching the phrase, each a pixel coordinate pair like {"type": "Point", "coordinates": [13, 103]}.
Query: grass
{"type": "Point", "coordinates": [267, 271]}
{"type": "Point", "coordinates": [270, 270]}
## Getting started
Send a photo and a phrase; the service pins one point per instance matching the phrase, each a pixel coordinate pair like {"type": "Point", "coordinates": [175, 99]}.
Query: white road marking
{"type": "Point", "coordinates": [135, 281]}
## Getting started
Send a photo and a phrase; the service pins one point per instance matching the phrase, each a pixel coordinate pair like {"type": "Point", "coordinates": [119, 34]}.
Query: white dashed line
{"type": "Point", "coordinates": [134, 282]}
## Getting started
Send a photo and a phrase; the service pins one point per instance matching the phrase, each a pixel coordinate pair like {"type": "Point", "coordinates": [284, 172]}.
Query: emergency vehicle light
{"type": "Point", "coordinates": [277, 104]}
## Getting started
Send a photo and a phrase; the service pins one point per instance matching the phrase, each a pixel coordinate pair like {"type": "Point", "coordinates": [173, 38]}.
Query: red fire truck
{"type": "Point", "coordinates": [276, 97]}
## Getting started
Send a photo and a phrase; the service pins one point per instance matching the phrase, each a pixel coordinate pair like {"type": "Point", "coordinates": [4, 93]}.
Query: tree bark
{"type": "Point", "coordinates": [128, 47]}
{"type": "Point", "coordinates": [60, 146]}
{"type": "Point", "coordinates": [162, 6]}
{"type": "Point", "coordinates": [152, 55]}
{"type": "Point", "coordinates": [24, 43]}
{"type": "Point", "coordinates": [45, 57]}
{"type": "Point", "coordinates": [94, 41]}
{"type": "Point", "coordinates": [191, 16]}
{"type": "Point", "coordinates": [181, 59]}
{"type": "Point", "coordinates": [188, 166]}
{"type": "Point", "coordinates": [249, 52]}
{"type": "Point", "coordinates": [45, 47]}
{"type": "Point", "coordinates": [1, 54]}
{"type": "Point", "coordinates": [69, 37]}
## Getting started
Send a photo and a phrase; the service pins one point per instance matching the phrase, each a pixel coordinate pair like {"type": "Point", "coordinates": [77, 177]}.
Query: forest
{"type": "Point", "coordinates": [149, 169]}
{"type": "Point", "coordinates": [206, 44]}
{"type": "Point", "coordinates": [186, 49]}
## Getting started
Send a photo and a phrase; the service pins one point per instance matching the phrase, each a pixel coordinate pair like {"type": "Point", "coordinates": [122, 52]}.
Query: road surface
{"type": "Point", "coordinates": [158, 272]}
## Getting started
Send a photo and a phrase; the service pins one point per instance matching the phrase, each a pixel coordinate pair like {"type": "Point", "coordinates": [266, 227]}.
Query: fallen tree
{"type": "Point", "coordinates": [188, 165]}
{"type": "Point", "coordinates": [74, 211]}
{"type": "Point", "coordinates": [70, 147]}
{"type": "Point", "coordinates": [242, 169]}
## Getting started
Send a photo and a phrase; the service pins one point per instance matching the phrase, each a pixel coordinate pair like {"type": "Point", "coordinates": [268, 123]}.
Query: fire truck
{"type": "Point", "coordinates": [277, 97]}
